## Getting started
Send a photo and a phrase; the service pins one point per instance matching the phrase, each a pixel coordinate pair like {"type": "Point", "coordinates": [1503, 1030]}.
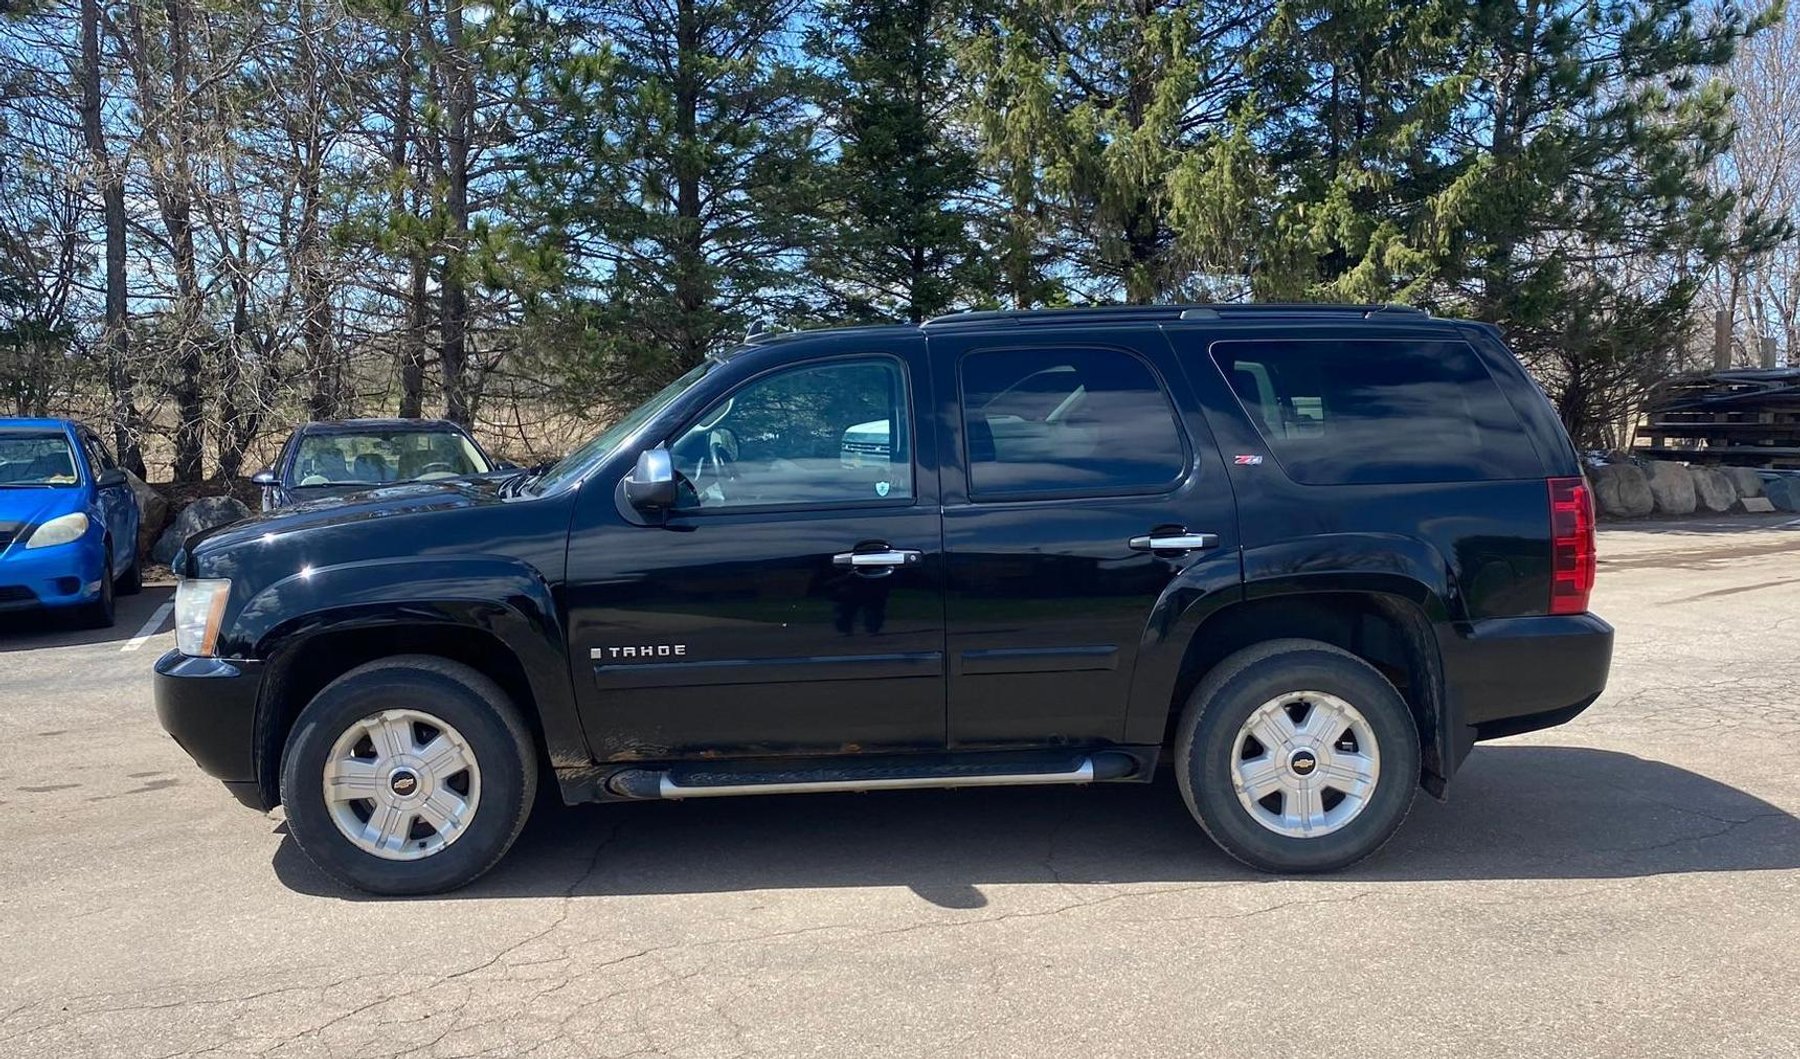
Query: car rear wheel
{"type": "Point", "coordinates": [409, 775]}
{"type": "Point", "coordinates": [1297, 756]}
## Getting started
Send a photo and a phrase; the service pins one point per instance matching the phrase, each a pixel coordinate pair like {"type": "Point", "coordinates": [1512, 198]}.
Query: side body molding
{"type": "Point", "coordinates": [502, 597]}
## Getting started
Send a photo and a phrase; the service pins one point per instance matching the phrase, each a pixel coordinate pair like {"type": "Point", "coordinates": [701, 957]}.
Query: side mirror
{"type": "Point", "coordinates": [264, 478]}
{"type": "Point", "coordinates": [109, 478]}
{"type": "Point", "coordinates": [505, 465]}
{"type": "Point", "coordinates": [651, 484]}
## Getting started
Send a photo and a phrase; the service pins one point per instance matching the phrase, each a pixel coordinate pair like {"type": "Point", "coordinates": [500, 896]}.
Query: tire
{"type": "Point", "coordinates": [100, 613]}
{"type": "Point", "coordinates": [496, 789]}
{"type": "Point", "coordinates": [133, 581]}
{"type": "Point", "coordinates": [1286, 831]}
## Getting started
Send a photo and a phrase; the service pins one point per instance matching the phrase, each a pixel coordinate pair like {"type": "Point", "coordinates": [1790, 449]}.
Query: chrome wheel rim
{"type": "Point", "coordinates": [402, 784]}
{"type": "Point", "coordinates": [1305, 764]}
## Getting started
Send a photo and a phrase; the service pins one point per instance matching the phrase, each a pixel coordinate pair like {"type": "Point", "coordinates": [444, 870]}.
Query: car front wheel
{"type": "Point", "coordinates": [408, 775]}
{"type": "Point", "coordinates": [1297, 756]}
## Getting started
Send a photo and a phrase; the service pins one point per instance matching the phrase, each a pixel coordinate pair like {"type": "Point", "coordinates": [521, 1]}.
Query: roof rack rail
{"type": "Point", "coordinates": [1115, 313]}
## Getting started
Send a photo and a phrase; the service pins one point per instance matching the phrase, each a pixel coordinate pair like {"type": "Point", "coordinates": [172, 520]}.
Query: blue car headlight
{"type": "Point", "coordinates": [64, 529]}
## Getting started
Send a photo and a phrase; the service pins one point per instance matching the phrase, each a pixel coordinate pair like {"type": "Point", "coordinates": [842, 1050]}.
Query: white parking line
{"type": "Point", "coordinates": [149, 628]}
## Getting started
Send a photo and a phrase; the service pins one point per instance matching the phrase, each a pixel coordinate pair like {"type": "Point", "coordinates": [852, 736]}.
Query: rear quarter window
{"type": "Point", "coordinates": [1377, 411]}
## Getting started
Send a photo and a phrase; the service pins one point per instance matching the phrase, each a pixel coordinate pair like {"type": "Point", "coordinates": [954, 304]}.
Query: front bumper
{"type": "Point", "coordinates": [209, 706]}
{"type": "Point", "coordinates": [1512, 675]}
{"type": "Point", "coordinates": [63, 575]}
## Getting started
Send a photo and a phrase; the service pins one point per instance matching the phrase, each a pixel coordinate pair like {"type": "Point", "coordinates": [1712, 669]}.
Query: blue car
{"type": "Point", "coordinates": [68, 521]}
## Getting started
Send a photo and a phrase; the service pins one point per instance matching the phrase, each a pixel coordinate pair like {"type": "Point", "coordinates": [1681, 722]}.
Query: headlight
{"type": "Point", "coordinates": [199, 605]}
{"type": "Point", "coordinates": [61, 530]}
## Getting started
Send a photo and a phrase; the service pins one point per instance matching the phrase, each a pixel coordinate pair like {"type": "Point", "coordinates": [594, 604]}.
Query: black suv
{"type": "Point", "coordinates": [1305, 555]}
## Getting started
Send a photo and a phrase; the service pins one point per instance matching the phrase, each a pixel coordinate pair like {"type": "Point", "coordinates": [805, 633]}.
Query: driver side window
{"type": "Point", "coordinates": [823, 434]}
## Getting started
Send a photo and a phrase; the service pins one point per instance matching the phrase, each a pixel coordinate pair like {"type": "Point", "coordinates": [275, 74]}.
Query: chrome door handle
{"type": "Point", "coordinates": [1175, 542]}
{"type": "Point", "coordinates": [890, 557]}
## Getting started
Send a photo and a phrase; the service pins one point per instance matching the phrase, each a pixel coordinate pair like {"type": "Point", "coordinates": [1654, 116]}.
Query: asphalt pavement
{"type": "Point", "coordinates": [1626, 885]}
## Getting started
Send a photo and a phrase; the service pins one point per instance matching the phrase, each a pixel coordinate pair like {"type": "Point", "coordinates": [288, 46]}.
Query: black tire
{"type": "Point", "coordinates": [133, 581]}
{"type": "Point", "coordinates": [100, 613]}
{"type": "Point", "coordinates": [465, 699]}
{"type": "Point", "coordinates": [1237, 687]}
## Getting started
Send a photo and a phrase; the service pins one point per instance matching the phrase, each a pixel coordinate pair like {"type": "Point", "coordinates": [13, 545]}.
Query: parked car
{"type": "Point", "coordinates": [338, 457]}
{"type": "Point", "coordinates": [1306, 556]}
{"type": "Point", "coordinates": [68, 521]}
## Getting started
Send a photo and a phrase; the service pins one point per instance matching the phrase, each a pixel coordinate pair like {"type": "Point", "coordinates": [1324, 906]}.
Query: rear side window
{"type": "Point", "coordinates": [1378, 411]}
{"type": "Point", "coordinates": [1067, 421]}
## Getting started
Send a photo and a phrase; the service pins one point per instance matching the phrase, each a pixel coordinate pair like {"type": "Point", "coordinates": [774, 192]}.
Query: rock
{"type": "Point", "coordinates": [1756, 505]}
{"type": "Point", "coordinates": [1622, 491]}
{"type": "Point", "coordinates": [1747, 481]}
{"type": "Point", "coordinates": [1713, 490]}
{"type": "Point", "coordinates": [1784, 493]}
{"type": "Point", "coordinates": [153, 513]}
{"type": "Point", "coordinates": [1672, 487]}
{"type": "Point", "coordinates": [202, 514]}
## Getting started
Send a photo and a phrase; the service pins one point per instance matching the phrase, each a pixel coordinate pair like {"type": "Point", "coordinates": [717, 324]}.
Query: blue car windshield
{"type": "Point", "coordinates": [576, 463]}
{"type": "Point", "coordinates": [36, 459]}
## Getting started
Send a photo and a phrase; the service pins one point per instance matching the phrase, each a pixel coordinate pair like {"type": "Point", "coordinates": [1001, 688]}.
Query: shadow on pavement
{"type": "Point", "coordinates": [32, 630]}
{"type": "Point", "coordinates": [1516, 812]}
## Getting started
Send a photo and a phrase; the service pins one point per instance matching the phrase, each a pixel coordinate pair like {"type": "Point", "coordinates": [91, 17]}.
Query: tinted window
{"type": "Point", "coordinates": [1338, 412]}
{"type": "Point", "coordinates": [1067, 421]}
{"type": "Point", "coordinates": [98, 457]}
{"type": "Point", "coordinates": [832, 433]}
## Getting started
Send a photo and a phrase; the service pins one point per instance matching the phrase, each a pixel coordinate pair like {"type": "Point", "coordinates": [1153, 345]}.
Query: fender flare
{"type": "Point", "coordinates": [503, 598]}
{"type": "Point", "coordinates": [1405, 572]}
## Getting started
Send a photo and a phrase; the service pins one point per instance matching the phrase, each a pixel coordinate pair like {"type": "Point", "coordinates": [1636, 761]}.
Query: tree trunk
{"type": "Point", "coordinates": [325, 399]}
{"type": "Point", "coordinates": [690, 264]}
{"type": "Point", "coordinates": [174, 194]}
{"type": "Point", "coordinates": [458, 399]}
{"type": "Point", "coordinates": [115, 338]}
{"type": "Point", "coordinates": [405, 195]}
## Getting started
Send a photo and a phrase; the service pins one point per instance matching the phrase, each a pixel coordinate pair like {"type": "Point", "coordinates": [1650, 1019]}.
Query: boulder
{"type": "Point", "coordinates": [1745, 479]}
{"type": "Point", "coordinates": [202, 514]}
{"type": "Point", "coordinates": [1784, 493]}
{"type": "Point", "coordinates": [1672, 486]}
{"type": "Point", "coordinates": [1713, 490]}
{"type": "Point", "coordinates": [153, 513]}
{"type": "Point", "coordinates": [1622, 491]}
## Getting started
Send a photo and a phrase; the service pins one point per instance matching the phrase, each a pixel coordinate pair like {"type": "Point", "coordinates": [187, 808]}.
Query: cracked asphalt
{"type": "Point", "coordinates": [1626, 885]}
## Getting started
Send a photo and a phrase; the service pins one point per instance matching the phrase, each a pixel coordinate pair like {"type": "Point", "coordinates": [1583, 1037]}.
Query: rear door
{"type": "Point", "coordinates": [1079, 482]}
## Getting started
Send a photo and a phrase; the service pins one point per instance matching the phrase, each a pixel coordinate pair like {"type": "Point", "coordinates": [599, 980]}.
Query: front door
{"type": "Point", "coordinates": [1079, 483]}
{"type": "Point", "coordinates": [116, 501]}
{"type": "Point", "coordinates": [793, 601]}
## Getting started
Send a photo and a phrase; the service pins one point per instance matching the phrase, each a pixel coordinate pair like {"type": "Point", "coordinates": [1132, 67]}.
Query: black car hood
{"type": "Point", "coordinates": [362, 505]}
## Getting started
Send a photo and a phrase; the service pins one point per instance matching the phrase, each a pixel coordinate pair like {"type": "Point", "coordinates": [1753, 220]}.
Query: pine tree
{"type": "Point", "coordinates": [1107, 116]}
{"type": "Point", "coordinates": [900, 243]}
{"type": "Point", "coordinates": [677, 167]}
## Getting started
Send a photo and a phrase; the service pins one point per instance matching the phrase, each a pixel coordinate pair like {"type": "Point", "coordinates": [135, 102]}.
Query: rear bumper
{"type": "Point", "coordinates": [209, 706]}
{"type": "Point", "coordinates": [1512, 675]}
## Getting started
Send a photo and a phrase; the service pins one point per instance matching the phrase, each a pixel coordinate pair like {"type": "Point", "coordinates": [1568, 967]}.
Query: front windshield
{"type": "Point", "coordinates": [36, 460]}
{"type": "Point", "coordinates": [576, 463]}
{"type": "Point", "coordinates": [384, 457]}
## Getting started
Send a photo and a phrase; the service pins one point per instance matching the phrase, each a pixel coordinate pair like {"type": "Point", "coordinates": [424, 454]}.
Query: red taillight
{"type": "Point", "coordinates": [1572, 557]}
